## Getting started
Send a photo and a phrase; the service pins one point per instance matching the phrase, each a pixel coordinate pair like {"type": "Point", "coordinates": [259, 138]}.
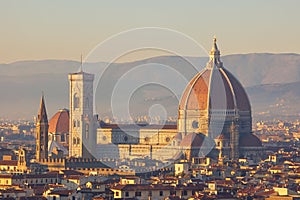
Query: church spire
{"type": "Point", "coordinates": [42, 132]}
{"type": "Point", "coordinates": [42, 115]}
{"type": "Point", "coordinates": [215, 60]}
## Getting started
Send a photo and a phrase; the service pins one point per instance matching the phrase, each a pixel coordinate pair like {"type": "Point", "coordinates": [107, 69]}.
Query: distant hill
{"type": "Point", "coordinates": [281, 100]}
{"type": "Point", "coordinates": [257, 69]}
{"type": "Point", "coordinates": [272, 82]}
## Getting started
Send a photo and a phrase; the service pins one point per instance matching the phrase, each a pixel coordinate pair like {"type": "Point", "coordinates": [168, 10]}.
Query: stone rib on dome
{"type": "Point", "coordinates": [242, 99]}
{"type": "Point", "coordinates": [59, 123]}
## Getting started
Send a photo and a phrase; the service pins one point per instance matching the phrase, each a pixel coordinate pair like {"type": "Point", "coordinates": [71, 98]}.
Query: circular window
{"type": "Point", "coordinates": [195, 124]}
{"type": "Point", "coordinates": [104, 138]}
{"type": "Point", "coordinates": [167, 139]}
{"type": "Point", "coordinates": [147, 139]}
{"type": "Point", "coordinates": [125, 138]}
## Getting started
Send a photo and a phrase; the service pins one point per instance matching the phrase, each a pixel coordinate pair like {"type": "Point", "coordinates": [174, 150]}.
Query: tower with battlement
{"type": "Point", "coordinates": [82, 130]}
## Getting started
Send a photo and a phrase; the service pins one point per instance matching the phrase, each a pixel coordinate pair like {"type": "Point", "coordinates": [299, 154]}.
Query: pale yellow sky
{"type": "Point", "coordinates": [40, 29]}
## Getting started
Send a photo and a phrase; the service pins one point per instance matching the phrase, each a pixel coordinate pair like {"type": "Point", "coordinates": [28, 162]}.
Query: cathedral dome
{"type": "Point", "coordinates": [215, 105]}
{"type": "Point", "coordinates": [214, 88]}
{"type": "Point", "coordinates": [59, 123]}
{"type": "Point", "coordinates": [214, 98]}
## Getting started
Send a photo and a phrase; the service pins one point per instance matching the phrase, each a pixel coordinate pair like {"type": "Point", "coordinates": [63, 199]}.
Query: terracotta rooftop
{"type": "Point", "coordinates": [9, 162]}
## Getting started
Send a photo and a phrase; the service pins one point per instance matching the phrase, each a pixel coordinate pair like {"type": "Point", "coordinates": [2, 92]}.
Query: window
{"type": "Point", "coordinates": [126, 194]}
{"type": "Point", "coordinates": [76, 101]}
{"type": "Point", "coordinates": [62, 137]}
{"type": "Point", "coordinates": [87, 131]}
{"type": "Point", "coordinates": [87, 103]}
{"type": "Point", "coordinates": [117, 194]}
{"type": "Point", "coordinates": [184, 193]}
{"type": "Point", "coordinates": [161, 193]}
{"type": "Point", "coordinates": [138, 194]}
{"type": "Point", "coordinates": [74, 123]}
{"type": "Point", "coordinates": [195, 124]}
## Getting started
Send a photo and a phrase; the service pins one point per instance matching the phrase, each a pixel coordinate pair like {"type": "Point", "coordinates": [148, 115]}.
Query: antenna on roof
{"type": "Point", "coordinates": [81, 63]}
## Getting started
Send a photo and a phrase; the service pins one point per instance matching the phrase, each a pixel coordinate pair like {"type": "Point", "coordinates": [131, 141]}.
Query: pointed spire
{"type": "Point", "coordinates": [215, 60]}
{"type": "Point", "coordinates": [42, 115]}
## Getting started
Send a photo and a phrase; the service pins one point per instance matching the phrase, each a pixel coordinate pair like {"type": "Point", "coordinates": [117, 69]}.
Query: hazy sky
{"type": "Point", "coordinates": [56, 29]}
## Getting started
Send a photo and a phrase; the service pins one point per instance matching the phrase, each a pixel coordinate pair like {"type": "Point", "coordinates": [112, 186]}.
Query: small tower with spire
{"type": "Point", "coordinates": [42, 132]}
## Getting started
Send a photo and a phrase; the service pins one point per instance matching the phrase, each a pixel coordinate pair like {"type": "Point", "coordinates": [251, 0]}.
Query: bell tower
{"type": "Point", "coordinates": [42, 132]}
{"type": "Point", "coordinates": [82, 137]}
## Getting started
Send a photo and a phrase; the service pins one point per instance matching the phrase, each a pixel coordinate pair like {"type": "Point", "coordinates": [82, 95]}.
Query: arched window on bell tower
{"type": "Point", "coordinates": [76, 101]}
{"type": "Point", "coordinates": [87, 131]}
{"type": "Point", "coordinates": [87, 103]}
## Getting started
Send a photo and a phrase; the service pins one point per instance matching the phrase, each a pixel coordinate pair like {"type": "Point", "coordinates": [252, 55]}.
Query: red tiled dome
{"type": "Point", "coordinates": [59, 123]}
{"type": "Point", "coordinates": [249, 140]}
{"type": "Point", "coordinates": [214, 88]}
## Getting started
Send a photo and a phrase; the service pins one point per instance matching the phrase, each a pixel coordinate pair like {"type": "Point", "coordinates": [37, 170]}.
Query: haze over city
{"type": "Point", "coordinates": [158, 100]}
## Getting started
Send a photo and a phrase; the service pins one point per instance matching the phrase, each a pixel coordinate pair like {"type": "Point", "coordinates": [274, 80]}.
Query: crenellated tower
{"type": "Point", "coordinates": [82, 129]}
